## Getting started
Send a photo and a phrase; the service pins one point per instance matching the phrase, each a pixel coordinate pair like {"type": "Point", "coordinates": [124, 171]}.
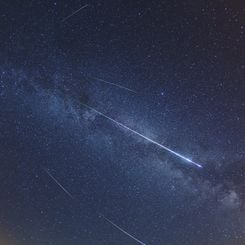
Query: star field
{"type": "Point", "coordinates": [172, 71]}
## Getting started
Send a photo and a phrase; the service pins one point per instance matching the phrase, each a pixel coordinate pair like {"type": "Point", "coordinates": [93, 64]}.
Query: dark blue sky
{"type": "Point", "coordinates": [185, 62]}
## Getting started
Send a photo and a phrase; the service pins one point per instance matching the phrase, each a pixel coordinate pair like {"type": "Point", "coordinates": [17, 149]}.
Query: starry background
{"type": "Point", "coordinates": [184, 59]}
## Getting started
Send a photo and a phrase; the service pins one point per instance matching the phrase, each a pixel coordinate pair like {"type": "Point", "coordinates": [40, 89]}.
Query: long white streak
{"type": "Point", "coordinates": [119, 228]}
{"type": "Point", "coordinates": [144, 137]}
{"type": "Point", "coordinates": [115, 84]}
{"type": "Point", "coordinates": [57, 182]}
{"type": "Point", "coordinates": [69, 16]}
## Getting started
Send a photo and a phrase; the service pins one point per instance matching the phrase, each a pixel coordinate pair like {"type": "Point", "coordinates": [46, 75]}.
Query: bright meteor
{"type": "Point", "coordinates": [125, 232]}
{"type": "Point", "coordinates": [143, 136]}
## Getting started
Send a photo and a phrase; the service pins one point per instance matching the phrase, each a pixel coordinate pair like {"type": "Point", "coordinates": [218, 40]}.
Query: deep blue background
{"type": "Point", "coordinates": [184, 60]}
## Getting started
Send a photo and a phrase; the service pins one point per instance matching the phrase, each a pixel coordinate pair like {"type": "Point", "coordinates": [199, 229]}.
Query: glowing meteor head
{"type": "Point", "coordinates": [190, 161]}
{"type": "Point", "coordinates": [200, 166]}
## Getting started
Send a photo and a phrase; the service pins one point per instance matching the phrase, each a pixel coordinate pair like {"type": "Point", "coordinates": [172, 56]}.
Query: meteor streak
{"type": "Point", "coordinates": [143, 136]}
{"type": "Point", "coordinates": [101, 215]}
{"type": "Point", "coordinates": [69, 16]}
{"type": "Point", "coordinates": [119, 228]}
{"type": "Point", "coordinates": [57, 182]}
{"type": "Point", "coordinates": [114, 84]}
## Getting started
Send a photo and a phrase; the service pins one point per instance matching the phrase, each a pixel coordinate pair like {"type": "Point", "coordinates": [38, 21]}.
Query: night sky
{"type": "Point", "coordinates": [171, 70]}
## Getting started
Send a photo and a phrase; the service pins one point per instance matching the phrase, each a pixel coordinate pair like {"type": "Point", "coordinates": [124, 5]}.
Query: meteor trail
{"type": "Point", "coordinates": [119, 228]}
{"type": "Point", "coordinates": [114, 84]}
{"type": "Point", "coordinates": [57, 182]}
{"type": "Point", "coordinates": [99, 214]}
{"type": "Point", "coordinates": [69, 16]}
{"type": "Point", "coordinates": [144, 137]}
